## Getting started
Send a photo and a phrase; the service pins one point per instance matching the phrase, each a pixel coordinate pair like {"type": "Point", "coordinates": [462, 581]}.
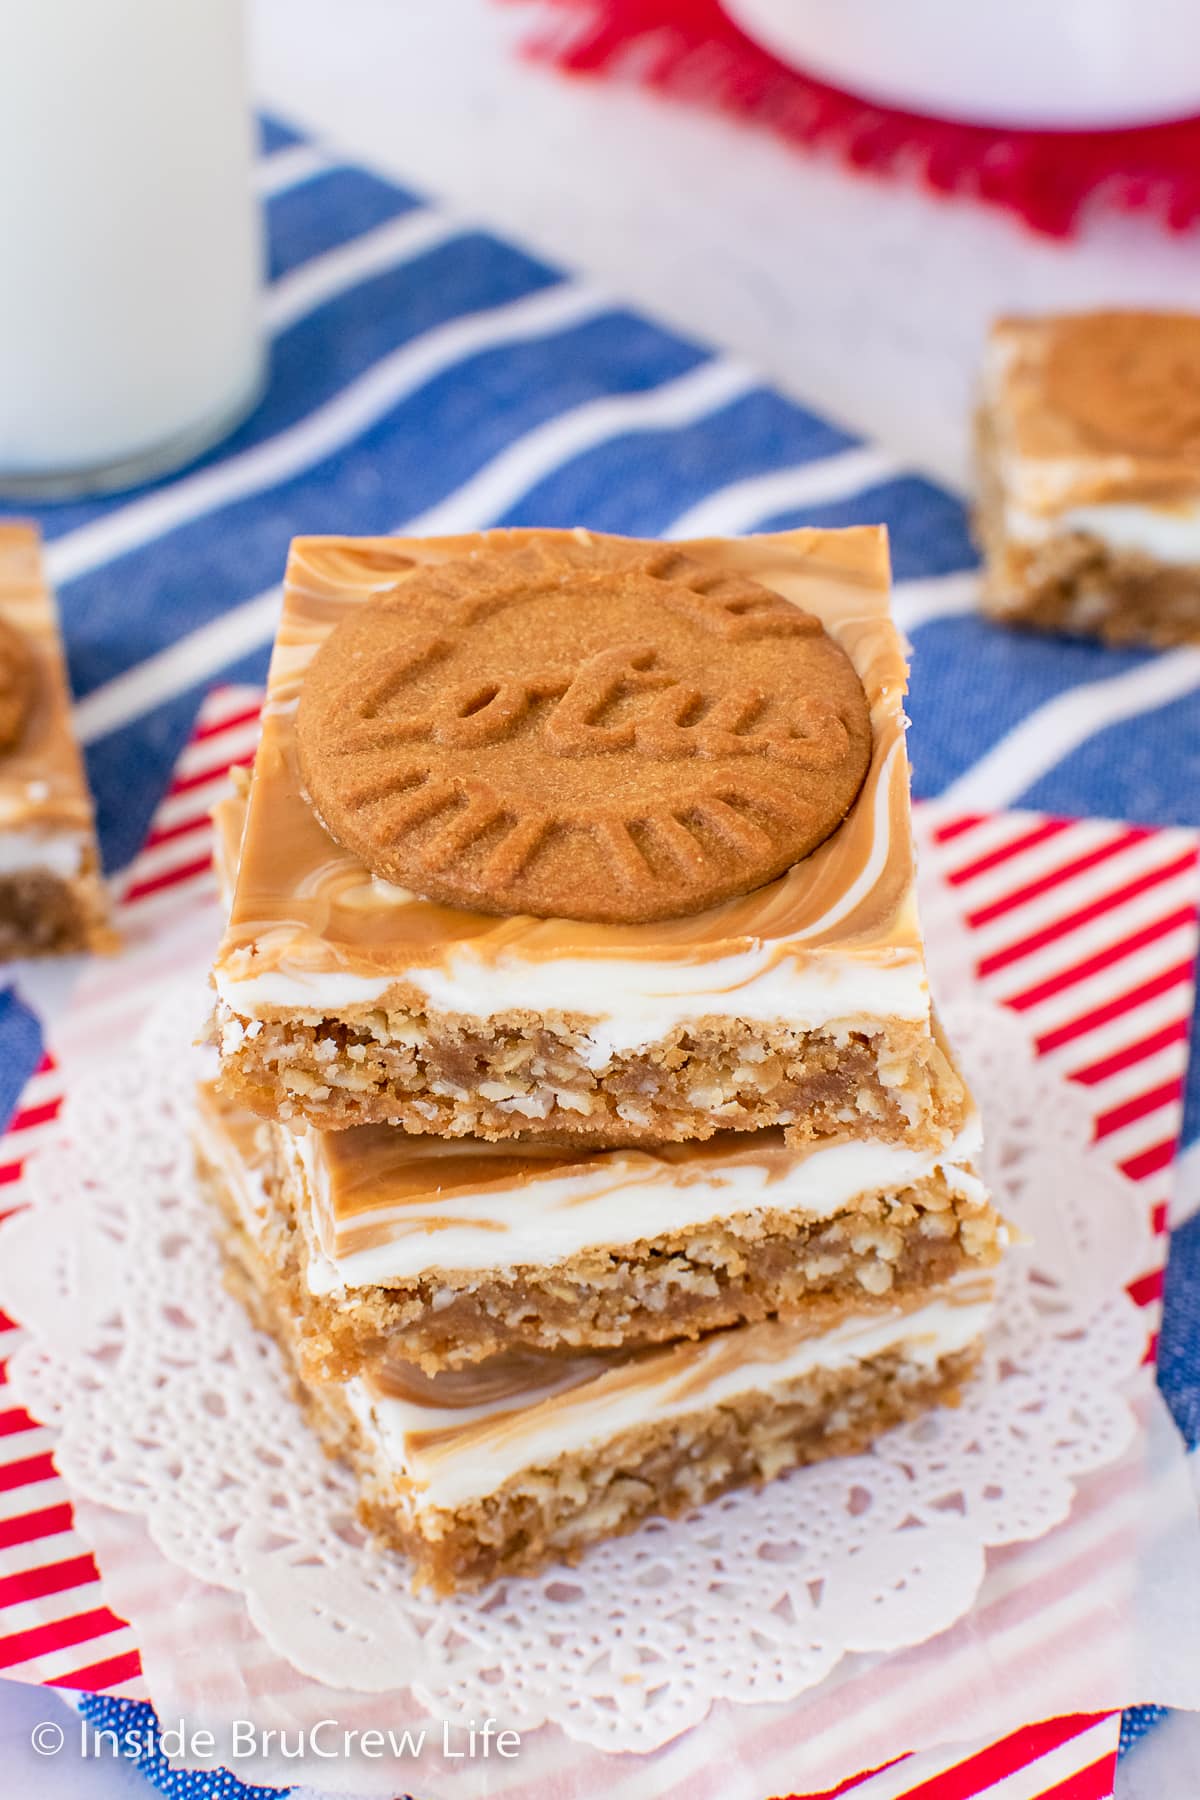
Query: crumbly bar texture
{"type": "Point", "coordinates": [1072, 581]}
{"type": "Point", "coordinates": [45, 914]}
{"type": "Point", "coordinates": [52, 897]}
{"type": "Point", "coordinates": [522, 1072]}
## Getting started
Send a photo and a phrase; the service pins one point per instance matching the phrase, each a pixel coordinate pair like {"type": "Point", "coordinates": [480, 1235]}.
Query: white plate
{"type": "Point", "coordinates": [1055, 63]}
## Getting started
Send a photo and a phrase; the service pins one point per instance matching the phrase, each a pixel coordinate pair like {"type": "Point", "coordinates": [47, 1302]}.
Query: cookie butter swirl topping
{"type": "Point", "coordinates": [386, 1206]}
{"type": "Point", "coordinates": [309, 918]}
{"type": "Point", "coordinates": [514, 1375]}
{"type": "Point", "coordinates": [461, 1432]}
{"type": "Point", "coordinates": [1129, 381]}
{"type": "Point", "coordinates": [42, 788]}
{"type": "Point", "coordinates": [583, 730]}
{"type": "Point", "coordinates": [16, 685]}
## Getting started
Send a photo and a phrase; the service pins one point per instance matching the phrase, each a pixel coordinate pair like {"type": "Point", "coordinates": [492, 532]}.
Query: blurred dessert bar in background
{"type": "Point", "coordinates": [52, 897]}
{"type": "Point", "coordinates": [1089, 475]}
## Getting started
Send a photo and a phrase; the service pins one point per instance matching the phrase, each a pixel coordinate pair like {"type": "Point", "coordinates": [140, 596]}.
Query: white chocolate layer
{"type": "Point", "coordinates": [1166, 534]}
{"type": "Point", "coordinates": [656, 998]}
{"type": "Point", "coordinates": [501, 1439]}
{"type": "Point", "coordinates": [234, 1143]}
{"type": "Point", "coordinates": [35, 852]}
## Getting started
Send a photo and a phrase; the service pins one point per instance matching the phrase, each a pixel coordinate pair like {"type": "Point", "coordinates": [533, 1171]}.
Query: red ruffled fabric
{"type": "Point", "coordinates": [691, 50]}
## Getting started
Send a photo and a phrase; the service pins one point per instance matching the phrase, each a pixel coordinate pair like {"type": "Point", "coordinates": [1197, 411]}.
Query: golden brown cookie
{"type": "Point", "coordinates": [1129, 381]}
{"type": "Point", "coordinates": [581, 730]}
{"type": "Point", "coordinates": [16, 684]}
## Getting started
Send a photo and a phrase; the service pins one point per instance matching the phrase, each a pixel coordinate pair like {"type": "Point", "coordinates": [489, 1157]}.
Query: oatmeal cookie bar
{"type": "Point", "coordinates": [449, 1251]}
{"type": "Point", "coordinates": [1089, 475]}
{"type": "Point", "coordinates": [52, 896]}
{"type": "Point", "coordinates": [711, 734]}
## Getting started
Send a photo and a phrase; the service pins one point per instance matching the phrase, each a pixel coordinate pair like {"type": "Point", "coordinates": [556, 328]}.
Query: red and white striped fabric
{"type": "Point", "coordinates": [54, 1626]}
{"type": "Point", "coordinates": [1073, 1758]}
{"type": "Point", "coordinates": [1087, 929]}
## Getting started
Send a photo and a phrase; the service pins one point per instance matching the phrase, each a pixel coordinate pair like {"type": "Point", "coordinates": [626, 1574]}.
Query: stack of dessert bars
{"type": "Point", "coordinates": [584, 1134]}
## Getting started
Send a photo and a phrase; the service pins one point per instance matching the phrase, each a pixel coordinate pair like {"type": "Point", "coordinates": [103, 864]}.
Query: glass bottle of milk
{"type": "Point", "coordinates": [130, 243]}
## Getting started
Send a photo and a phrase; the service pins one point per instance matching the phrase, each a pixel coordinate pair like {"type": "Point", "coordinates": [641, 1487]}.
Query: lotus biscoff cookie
{"type": "Point", "coordinates": [581, 732]}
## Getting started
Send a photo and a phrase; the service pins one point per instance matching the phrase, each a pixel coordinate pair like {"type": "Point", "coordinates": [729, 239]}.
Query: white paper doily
{"type": "Point", "coordinates": [170, 1406]}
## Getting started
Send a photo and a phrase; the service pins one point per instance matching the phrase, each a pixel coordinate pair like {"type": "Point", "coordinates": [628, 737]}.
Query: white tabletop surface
{"type": "Point", "coordinates": [863, 298]}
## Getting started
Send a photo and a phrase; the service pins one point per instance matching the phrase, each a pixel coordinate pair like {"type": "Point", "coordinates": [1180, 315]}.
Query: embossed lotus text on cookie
{"type": "Point", "coordinates": [1130, 381]}
{"type": "Point", "coordinates": [583, 731]}
{"type": "Point", "coordinates": [16, 685]}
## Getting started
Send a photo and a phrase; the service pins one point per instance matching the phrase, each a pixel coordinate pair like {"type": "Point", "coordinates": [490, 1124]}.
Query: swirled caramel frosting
{"type": "Point", "coordinates": [18, 684]}
{"type": "Point", "coordinates": [386, 1206]}
{"type": "Point", "coordinates": [314, 927]}
{"type": "Point", "coordinates": [45, 808]}
{"type": "Point", "coordinates": [459, 1435]}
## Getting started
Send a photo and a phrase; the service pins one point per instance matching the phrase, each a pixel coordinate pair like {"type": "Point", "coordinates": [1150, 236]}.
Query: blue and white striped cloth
{"type": "Point", "coordinates": [427, 375]}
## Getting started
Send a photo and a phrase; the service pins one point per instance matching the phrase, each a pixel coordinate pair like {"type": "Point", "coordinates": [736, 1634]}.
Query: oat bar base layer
{"type": "Point", "coordinates": [1073, 581]}
{"type": "Point", "coordinates": [519, 1072]}
{"type": "Point", "coordinates": [46, 914]}
{"type": "Point", "coordinates": [882, 1248]}
{"type": "Point", "coordinates": [554, 1513]}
